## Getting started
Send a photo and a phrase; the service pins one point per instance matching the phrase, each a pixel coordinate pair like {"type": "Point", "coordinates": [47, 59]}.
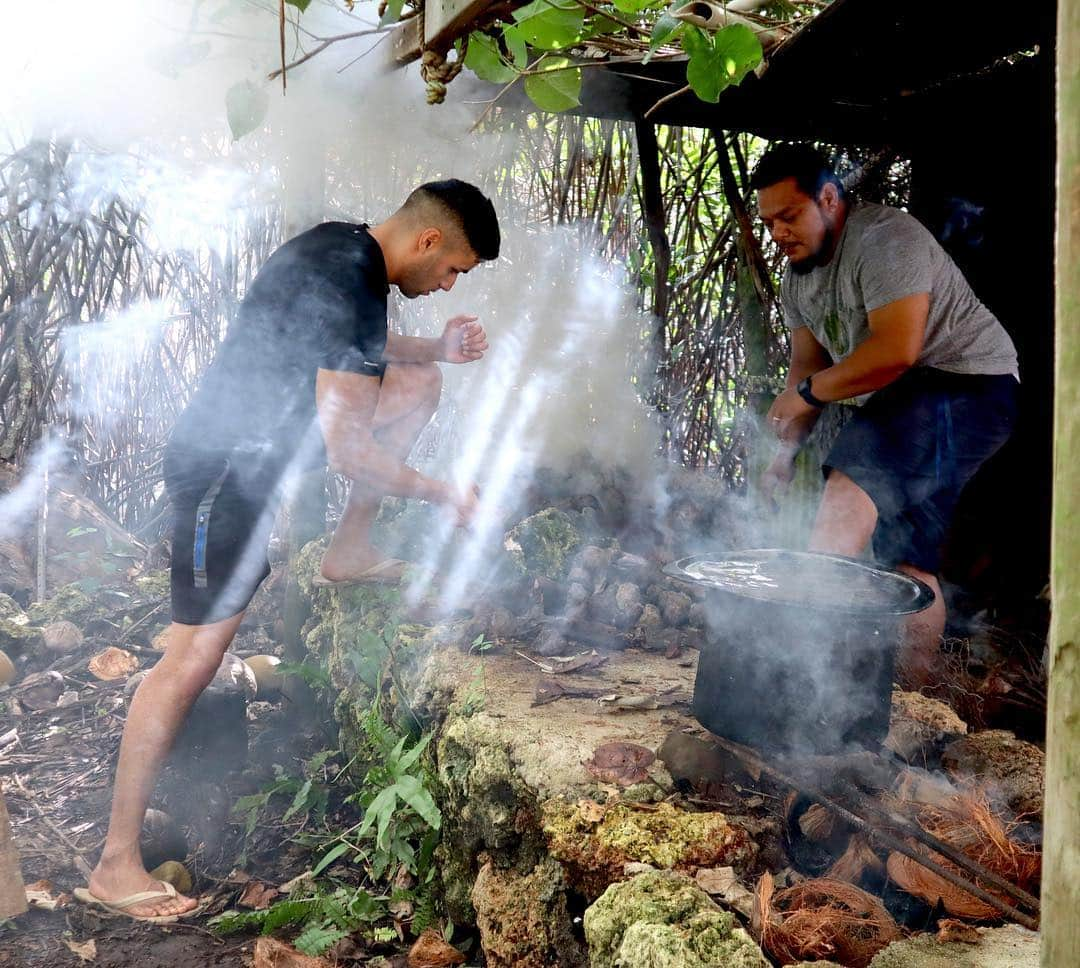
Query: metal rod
{"type": "Point", "coordinates": [937, 844]}
{"type": "Point", "coordinates": [888, 840]}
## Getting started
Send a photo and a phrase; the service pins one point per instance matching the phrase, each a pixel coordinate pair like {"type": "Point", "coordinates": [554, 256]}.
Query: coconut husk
{"type": "Point", "coordinates": [821, 919]}
{"type": "Point", "coordinates": [818, 823]}
{"type": "Point", "coordinates": [858, 862]}
{"type": "Point", "coordinates": [112, 664]}
{"type": "Point", "coordinates": [967, 822]}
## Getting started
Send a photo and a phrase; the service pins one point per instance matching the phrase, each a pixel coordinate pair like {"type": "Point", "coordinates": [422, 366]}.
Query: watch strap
{"type": "Point", "coordinates": [804, 389]}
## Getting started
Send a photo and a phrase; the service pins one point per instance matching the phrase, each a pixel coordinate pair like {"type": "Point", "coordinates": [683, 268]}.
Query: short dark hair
{"type": "Point", "coordinates": [803, 162]}
{"type": "Point", "coordinates": [466, 207]}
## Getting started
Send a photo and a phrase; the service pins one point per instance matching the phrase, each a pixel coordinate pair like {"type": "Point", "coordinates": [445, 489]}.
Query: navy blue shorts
{"type": "Point", "coordinates": [914, 445]}
{"type": "Point", "coordinates": [222, 520]}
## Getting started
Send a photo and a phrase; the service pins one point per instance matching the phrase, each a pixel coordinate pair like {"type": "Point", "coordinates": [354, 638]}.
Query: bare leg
{"type": "Point", "coordinates": [157, 712]}
{"type": "Point", "coordinates": [846, 517]}
{"type": "Point", "coordinates": [408, 398]}
{"type": "Point", "coordinates": [918, 659]}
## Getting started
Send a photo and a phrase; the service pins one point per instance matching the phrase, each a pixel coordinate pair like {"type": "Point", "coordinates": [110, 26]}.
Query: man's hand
{"type": "Point", "coordinates": [785, 412]}
{"type": "Point", "coordinates": [463, 340]}
{"type": "Point", "coordinates": [464, 503]}
{"type": "Point", "coordinates": [777, 477]}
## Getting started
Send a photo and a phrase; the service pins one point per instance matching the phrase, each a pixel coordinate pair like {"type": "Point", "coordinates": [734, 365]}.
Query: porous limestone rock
{"type": "Point", "coordinates": [19, 639]}
{"type": "Point", "coordinates": [595, 853]}
{"type": "Point", "coordinates": [12, 611]}
{"type": "Point", "coordinates": [68, 602]}
{"type": "Point", "coordinates": [660, 919]}
{"type": "Point", "coordinates": [917, 723]}
{"type": "Point", "coordinates": [1007, 947]}
{"type": "Point", "coordinates": [544, 543]}
{"type": "Point", "coordinates": [523, 919]}
{"type": "Point", "coordinates": [1012, 769]}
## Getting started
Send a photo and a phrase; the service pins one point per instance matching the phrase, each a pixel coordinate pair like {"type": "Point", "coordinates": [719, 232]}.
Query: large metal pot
{"type": "Point", "coordinates": [799, 647]}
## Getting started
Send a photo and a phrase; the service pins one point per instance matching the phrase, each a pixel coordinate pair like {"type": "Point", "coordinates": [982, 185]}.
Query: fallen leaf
{"type": "Point", "coordinates": [40, 895]}
{"type": "Point", "coordinates": [86, 950]}
{"type": "Point", "coordinates": [621, 763]}
{"type": "Point", "coordinates": [584, 662]}
{"type": "Point", "coordinates": [112, 664]}
{"type": "Point", "coordinates": [432, 951]}
{"type": "Point", "coordinates": [951, 929]}
{"type": "Point", "coordinates": [258, 896]}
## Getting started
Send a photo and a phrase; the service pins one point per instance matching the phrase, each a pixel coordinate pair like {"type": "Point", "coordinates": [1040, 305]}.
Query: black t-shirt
{"type": "Point", "coordinates": [318, 302]}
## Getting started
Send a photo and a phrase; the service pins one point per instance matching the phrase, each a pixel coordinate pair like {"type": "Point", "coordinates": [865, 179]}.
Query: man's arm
{"type": "Point", "coordinates": [808, 357]}
{"type": "Point", "coordinates": [463, 341]}
{"type": "Point", "coordinates": [897, 334]}
{"type": "Point", "coordinates": [346, 407]}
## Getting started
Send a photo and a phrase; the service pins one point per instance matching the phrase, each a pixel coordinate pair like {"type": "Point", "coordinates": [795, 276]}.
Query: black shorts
{"type": "Point", "coordinates": [914, 446]}
{"type": "Point", "coordinates": [222, 521]}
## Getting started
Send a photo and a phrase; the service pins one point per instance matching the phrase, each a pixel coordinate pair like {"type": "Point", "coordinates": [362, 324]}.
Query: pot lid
{"type": "Point", "coordinates": [806, 579]}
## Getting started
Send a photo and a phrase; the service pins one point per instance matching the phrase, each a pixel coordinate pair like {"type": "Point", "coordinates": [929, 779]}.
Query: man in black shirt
{"type": "Point", "coordinates": [308, 375]}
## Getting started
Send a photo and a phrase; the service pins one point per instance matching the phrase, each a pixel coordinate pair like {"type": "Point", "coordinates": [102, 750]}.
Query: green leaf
{"type": "Point", "coordinates": [412, 791]}
{"type": "Point", "coordinates": [315, 939]}
{"type": "Point", "coordinates": [300, 5]}
{"type": "Point", "coordinates": [485, 60]}
{"type": "Point", "coordinates": [329, 857]}
{"type": "Point", "coordinates": [392, 13]}
{"type": "Point", "coordinates": [300, 801]}
{"type": "Point", "coordinates": [550, 24]}
{"type": "Point", "coordinates": [558, 88]}
{"type": "Point", "coordinates": [632, 6]}
{"type": "Point", "coordinates": [407, 761]}
{"type": "Point", "coordinates": [517, 45]}
{"type": "Point", "coordinates": [380, 809]}
{"type": "Point", "coordinates": [245, 106]}
{"type": "Point", "coordinates": [663, 30]}
{"type": "Point", "coordinates": [720, 60]}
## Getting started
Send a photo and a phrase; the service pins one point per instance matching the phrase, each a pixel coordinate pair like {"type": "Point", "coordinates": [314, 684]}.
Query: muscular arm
{"type": "Point", "coordinates": [346, 407]}
{"type": "Point", "coordinates": [897, 333]}
{"type": "Point", "coordinates": [808, 357]}
{"type": "Point", "coordinates": [413, 349]}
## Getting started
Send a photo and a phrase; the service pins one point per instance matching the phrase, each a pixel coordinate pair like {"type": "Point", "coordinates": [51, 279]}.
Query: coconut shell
{"type": "Point", "coordinates": [161, 839]}
{"type": "Point", "coordinates": [267, 678]}
{"type": "Point", "coordinates": [234, 673]}
{"type": "Point", "coordinates": [62, 636]}
{"type": "Point", "coordinates": [7, 669]}
{"type": "Point", "coordinates": [175, 873]}
{"type": "Point", "coordinates": [112, 664]}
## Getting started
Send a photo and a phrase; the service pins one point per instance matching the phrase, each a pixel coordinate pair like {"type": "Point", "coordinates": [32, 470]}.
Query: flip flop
{"type": "Point", "coordinates": [388, 571]}
{"type": "Point", "coordinates": [120, 907]}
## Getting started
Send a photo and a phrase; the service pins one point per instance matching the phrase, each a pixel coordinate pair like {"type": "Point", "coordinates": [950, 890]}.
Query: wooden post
{"type": "Point", "coordinates": [12, 891]}
{"type": "Point", "coordinates": [1061, 854]}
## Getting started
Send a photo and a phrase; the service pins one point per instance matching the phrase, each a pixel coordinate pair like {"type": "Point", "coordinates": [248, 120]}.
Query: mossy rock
{"type": "Point", "coordinates": [544, 544]}
{"type": "Point", "coordinates": [1009, 946]}
{"type": "Point", "coordinates": [661, 919]}
{"type": "Point", "coordinates": [595, 854]}
{"type": "Point", "coordinates": [69, 603]}
{"type": "Point", "coordinates": [523, 918]}
{"type": "Point", "coordinates": [154, 585]}
{"type": "Point", "coordinates": [12, 611]}
{"type": "Point", "coordinates": [486, 807]}
{"type": "Point", "coordinates": [19, 638]}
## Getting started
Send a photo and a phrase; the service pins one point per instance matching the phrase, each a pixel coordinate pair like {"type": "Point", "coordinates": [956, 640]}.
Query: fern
{"type": "Point", "coordinates": [315, 938]}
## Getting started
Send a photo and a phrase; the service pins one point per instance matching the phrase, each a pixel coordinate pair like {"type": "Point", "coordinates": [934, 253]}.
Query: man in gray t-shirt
{"type": "Point", "coordinates": [880, 316]}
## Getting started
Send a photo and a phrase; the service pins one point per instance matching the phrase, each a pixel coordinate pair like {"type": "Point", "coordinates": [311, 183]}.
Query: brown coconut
{"type": "Point", "coordinates": [268, 680]}
{"type": "Point", "coordinates": [7, 669]}
{"type": "Point", "coordinates": [62, 636]}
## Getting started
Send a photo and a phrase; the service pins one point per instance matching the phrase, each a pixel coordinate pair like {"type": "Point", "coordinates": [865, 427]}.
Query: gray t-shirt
{"type": "Point", "coordinates": [884, 255]}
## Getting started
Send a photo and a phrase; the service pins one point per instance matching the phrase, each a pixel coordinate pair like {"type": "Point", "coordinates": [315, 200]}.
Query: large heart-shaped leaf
{"type": "Point", "coordinates": [557, 88]}
{"type": "Point", "coordinates": [245, 107]}
{"type": "Point", "coordinates": [550, 24]}
{"type": "Point", "coordinates": [719, 60]}
{"type": "Point", "coordinates": [485, 61]}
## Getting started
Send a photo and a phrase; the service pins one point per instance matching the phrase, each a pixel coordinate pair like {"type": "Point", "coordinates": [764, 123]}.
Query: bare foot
{"type": "Point", "coordinates": [112, 883]}
{"type": "Point", "coordinates": [344, 568]}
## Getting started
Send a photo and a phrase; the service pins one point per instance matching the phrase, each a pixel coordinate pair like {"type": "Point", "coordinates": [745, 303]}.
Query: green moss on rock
{"type": "Point", "coordinates": [19, 638]}
{"type": "Point", "coordinates": [544, 543]}
{"type": "Point", "coordinates": [70, 603]}
{"type": "Point", "coordinates": [661, 919]}
{"type": "Point", "coordinates": [153, 585]}
{"type": "Point", "coordinates": [12, 611]}
{"type": "Point", "coordinates": [523, 918]}
{"type": "Point", "coordinates": [595, 853]}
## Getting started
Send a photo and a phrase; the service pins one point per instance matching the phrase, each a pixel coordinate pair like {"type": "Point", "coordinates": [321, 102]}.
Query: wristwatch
{"type": "Point", "coordinates": [804, 390]}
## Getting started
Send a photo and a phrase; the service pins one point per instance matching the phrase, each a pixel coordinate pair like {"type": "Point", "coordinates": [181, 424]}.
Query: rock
{"type": "Point", "coordinates": [1007, 947]}
{"type": "Point", "coordinates": [431, 951]}
{"type": "Point", "coordinates": [134, 682]}
{"type": "Point", "coordinates": [69, 602]}
{"type": "Point", "coordinates": [63, 637]}
{"type": "Point", "coordinates": [544, 544]}
{"type": "Point", "coordinates": [154, 585]}
{"type": "Point", "coordinates": [161, 839]}
{"type": "Point", "coordinates": [618, 605]}
{"type": "Point", "coordinates": [576, 595]}
{"type": "Point", "coordinates": [596, 560]}
{"type": "Point", "coordinates": [175, 873]}
{"type": "Point", "coordinates": [595, 854]}
{"type": "Point", "coordinates": [112, 664]}
{"type": "Point", "coordinates": [523, 919]}
{"type": "Point", "coordinates": [580, 576]}
{"type": "Point", "coordinates": [235, 672]}
{"type": "Point", "coordinates": [674, 606]}
{"type": "Point", "coordinates": [699, 615]}
{"type": "Point", "coordinates": [650, 617]}
{"type": "Point", "coordinates": [551, 642]}
{"type": "Point", "coordinates": [12, 611]}
{"type": "Point", "coordinates": [7, 669]}
{"type": "Point", "coordinates": [268, 680]}
{"type": "Point", "coordinates": [19, 638]}
{"type": "Point", "coordinates": [1012, 769]}
{"type": "Point", "coordinates": [918, 725]}
{"type": "Point", "coordinates": [663, 920]}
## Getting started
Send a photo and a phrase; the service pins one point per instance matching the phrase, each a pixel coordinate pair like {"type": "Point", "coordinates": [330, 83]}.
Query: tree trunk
{"type": "Point", "coordinates": [1061, 870]}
